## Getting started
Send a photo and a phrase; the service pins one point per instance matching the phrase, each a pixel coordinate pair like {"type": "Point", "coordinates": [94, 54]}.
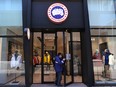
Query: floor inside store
{"type": "Point", "coordinates": [52, 85]}
{"type": "Point", "coordinates": [49, 76]}
{"type": "Point", "coordinates": [37, 80]}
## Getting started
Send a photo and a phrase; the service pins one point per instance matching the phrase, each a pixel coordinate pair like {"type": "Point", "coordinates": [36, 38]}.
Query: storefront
{"type": "Point", "coordinates": [79, 29]}
{"type": "Point", "coordinates": [71, 16]}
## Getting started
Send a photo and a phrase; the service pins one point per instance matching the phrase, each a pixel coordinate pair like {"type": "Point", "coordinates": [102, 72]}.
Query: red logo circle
{"type": "Point", "coordinates": [57, 13]}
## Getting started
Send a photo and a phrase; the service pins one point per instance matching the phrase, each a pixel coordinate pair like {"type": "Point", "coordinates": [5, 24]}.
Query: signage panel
{"type": "Point", "coordinates": [69, 15]}
{"type": "Point", "coordinates": [57, 13]}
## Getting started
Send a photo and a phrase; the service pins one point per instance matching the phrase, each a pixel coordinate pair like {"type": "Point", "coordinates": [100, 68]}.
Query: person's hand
{"type": "Point", "coordinates": [64, 59]}
{"type": "Point", "coordinates": [56, 62]}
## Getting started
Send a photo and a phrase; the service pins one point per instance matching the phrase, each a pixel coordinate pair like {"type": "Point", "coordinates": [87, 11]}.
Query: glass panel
{"type": "Point", "coordinates": [77, 57]}
{"type": "Point", "coordinates": [104, 61]}
{"type": "Point", "coordinates": [11, 17]}
{"type": "Point", "coordinates": [103, 31]}
{"type": "Point", "coordinates": [95, 31]}
{"type": "Point", "coordinates": [68, 63]}
{"type": "Point", "coordinates": [60, 42]}
{"type": "Point", "coordinates": [102, 13]}
{"type": "Point", "coordinates": [49, 54]}
{"type": "Point", "coordinates": [37, 58]}
{"type": "Point", "coordinates": [12, 61]}
{"type": "Point", "coordinates": [60, 50]}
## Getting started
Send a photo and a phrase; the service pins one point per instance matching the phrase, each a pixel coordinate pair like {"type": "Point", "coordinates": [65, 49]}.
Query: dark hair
{"type": "Point", "coordinates": [59, 54]}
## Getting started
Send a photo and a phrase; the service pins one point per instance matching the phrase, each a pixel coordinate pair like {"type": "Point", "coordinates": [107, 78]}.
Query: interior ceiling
{"type": "Point", "coordinates": [103, 32]}
{"type": "Point", "coordinates": [49, 38]}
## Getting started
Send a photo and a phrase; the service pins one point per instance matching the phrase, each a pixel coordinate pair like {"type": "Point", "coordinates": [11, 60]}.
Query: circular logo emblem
{"type": "Point", "coordinates": [57, 13]}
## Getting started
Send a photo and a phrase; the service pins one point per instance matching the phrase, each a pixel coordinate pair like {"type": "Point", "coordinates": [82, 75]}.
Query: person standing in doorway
{"type": "Point", "coordinates": [59, 61]}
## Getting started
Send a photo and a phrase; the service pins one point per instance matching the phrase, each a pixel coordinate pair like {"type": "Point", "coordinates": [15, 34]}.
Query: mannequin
{"type": "Point", "coordinates": [96, 54]}
{"type": "Point", "coordinates": [111, 61]}
{"type": "Point", "coordinates": [16, 60]}
{"type": "Point", "coordinates": [47, 60]}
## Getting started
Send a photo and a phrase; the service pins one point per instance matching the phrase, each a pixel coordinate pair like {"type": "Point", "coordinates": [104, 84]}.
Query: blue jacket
{"type": "Point", "coordinates": [107, 58]}
{"type": "Point", "coordinates": [58, 64]}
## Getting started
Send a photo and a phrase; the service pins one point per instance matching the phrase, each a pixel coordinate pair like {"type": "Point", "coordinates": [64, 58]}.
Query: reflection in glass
{"type": "Point", "coordinates": [105, 64]}
{"type": "Point", "coordinates": [49, 54]}
{"type": "Point", "coordinates": [11, 17]}
{"type": "Point", "coordinates": [37, 58]}
{"type": "Point", "coordinates": [77, 57]}
{"type": "Point", "coordinates": [12, 61]}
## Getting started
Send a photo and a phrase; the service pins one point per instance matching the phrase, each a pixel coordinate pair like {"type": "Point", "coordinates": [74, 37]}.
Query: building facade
{"type": "Point", "coordinates": [85, 40]}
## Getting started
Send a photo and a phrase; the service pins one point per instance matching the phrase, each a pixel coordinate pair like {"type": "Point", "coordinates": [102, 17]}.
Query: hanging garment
{"type": "Point", "coordinates": [47, 58]}
{"type": "Point", "coordinates": [16, 62]}
{"type": "Point", "coordinates": [35, 60]}
{"type": "Point", "coordinates": [111, 59]}
{"type": "Point", "coordinates": [39, 59]}
{"type": "Point", "coordinates": [96, 56]}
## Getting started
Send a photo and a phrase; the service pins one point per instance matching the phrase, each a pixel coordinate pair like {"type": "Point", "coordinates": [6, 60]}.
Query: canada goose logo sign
{"type": "Point", "coordinates": [57, 13]}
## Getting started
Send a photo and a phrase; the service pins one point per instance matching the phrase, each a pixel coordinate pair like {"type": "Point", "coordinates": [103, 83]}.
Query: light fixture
{"type": "Point", "coordinates": [27, 31]}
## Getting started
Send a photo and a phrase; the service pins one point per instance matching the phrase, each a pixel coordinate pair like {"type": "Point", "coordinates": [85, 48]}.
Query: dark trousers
{"type": "Point", "coordinates": [58, 78]}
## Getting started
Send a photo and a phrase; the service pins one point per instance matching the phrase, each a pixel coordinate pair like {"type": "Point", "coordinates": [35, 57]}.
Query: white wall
{"type": "Point", "coordinates": [101, 13]}
{"type": "Point", "coordinates": [10, 12]}
{"type": "Point", "coordinates": [112, 45]}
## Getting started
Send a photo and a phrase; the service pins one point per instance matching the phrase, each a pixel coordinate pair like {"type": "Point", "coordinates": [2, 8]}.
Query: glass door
{"type": "Point", "coordinates": [49, 52]}
{"type": "Point", "coordinates": [45, 47]}
{"type": "Point", "coordinates": [53, 43]}
{"type": "Point", "coordinates": [63, 39]}
{"type": "Point", "coordinates": [68, 76]}
{"type": "Point", "coordinates": [76, 46]}
{"type": "Point", "coordinates": [37, 57]}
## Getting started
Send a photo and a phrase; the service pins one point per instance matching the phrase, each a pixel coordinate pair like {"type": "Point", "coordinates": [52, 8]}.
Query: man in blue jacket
{"type": "Point", "coordinates": [59, 61]}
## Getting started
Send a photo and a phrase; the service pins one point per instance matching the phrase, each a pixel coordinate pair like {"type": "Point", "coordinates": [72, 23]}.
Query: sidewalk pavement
{"type": "Point", "coordinates": [53, 85]}
{"type": "Point", "coordinates": [71, 85]}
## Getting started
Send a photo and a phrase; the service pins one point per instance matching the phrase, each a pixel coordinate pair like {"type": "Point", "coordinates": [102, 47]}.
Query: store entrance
{"type": "Point", "coordinates": [46, 45]}
{"type": "Point", "coordinates": [42, 16]}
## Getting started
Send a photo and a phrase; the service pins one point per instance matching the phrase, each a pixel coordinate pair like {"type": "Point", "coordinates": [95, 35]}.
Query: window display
{"type": "Point", "coordinates": [105, 65]}
{"type": "Point", "coordinates": [16, 60]}
{"type": "Point", "coordinates": [97, 55]}
{"type": "Point", "coordinates": [11, 61]}
{"type": "Point", "coordinates": [76, 57]}
{"type": "Point", "coordinates": [12, 46]}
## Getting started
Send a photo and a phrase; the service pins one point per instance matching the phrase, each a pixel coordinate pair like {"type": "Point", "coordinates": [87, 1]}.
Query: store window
{"type": "Point", "coordinates": [12, 64]}
{"type": "Point", "coordinates": [104, 55]}
{"type": "Point", "coordinates": [103, 32]}
{"type": "Point", "coordinates": [102, 19]}
{"type": "Point", "coordinates": [102, 13]}
{"type": "Point", "coordinates": [11, 61]}
{"type": "Point", "coordinates": [11, 17]}
{"type": "Point", "coordinates": [76, 57]}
